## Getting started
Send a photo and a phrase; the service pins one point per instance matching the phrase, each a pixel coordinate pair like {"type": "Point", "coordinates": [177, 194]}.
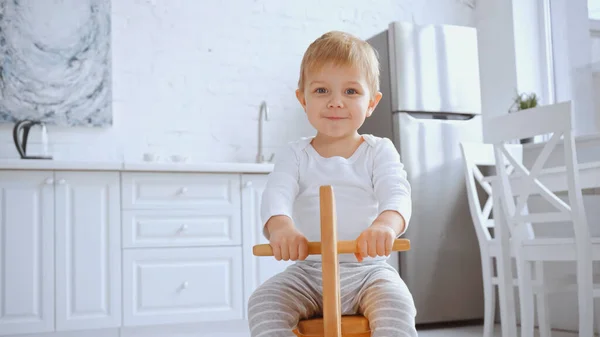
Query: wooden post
{"type": "Point", "coordinates": [332, 311]}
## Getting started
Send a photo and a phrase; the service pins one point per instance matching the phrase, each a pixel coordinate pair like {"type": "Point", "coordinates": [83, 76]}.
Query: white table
{"type": "Point", "coordinates": [588, 154]}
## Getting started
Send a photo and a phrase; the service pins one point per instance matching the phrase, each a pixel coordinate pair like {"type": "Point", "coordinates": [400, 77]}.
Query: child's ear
{"type": "Point", "coordinates": [301, 99]}
{"type": "Point", "coordinates": [373, 103]}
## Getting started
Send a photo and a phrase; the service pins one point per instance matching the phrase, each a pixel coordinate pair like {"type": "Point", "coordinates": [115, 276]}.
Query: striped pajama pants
{"type": "Point", "coordinates": [373, 289]}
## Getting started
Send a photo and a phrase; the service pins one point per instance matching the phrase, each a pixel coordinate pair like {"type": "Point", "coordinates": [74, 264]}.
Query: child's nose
{"type": "Point", "coordinates": [336, 102]}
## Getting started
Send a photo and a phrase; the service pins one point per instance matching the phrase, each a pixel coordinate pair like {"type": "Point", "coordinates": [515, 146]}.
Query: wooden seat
{"type": "Point", "coordinates": [352, 326]}
{"type": "Point", "coordinates": [332, 324]}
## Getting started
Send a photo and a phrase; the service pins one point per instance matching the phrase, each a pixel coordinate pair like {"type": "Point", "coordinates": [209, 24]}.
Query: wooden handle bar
{"type": "Point", "coordinates": [343, 247]}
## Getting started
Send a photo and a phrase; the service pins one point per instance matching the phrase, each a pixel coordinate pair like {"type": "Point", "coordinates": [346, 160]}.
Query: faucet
{"type": "Point", "coordinates": [260, 158]}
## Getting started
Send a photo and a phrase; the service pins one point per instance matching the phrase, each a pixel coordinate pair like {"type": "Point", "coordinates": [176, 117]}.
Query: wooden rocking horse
{"type": "Point", "coordinates": [332, 324]}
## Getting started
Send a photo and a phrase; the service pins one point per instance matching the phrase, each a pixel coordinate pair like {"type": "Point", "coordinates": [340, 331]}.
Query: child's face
{"type": "Point", "coordinates": [337, 100]}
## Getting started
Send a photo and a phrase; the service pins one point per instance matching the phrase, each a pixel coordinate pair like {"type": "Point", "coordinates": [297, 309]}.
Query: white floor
{"type": "Point", "coordinates": [467, 331]}
{"type": "Point", "coordinates": [477, 330]}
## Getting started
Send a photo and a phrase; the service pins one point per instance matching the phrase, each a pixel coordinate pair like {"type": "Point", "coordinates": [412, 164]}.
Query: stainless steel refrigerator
{"type": "Point", "coordinates": [431, 102]}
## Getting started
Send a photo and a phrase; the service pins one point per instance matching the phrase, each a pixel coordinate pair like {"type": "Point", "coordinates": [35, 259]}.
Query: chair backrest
{"type": "Point", "coordinates": [479, 167]}
{"type": "Point", "coordinates": [332, 307]}
{"type": "Point", "coordinates": [478, 157]}
{"type": "Point", "coordinates": [475, 157]}
{"type": "Point", "coordinates": [524, 182]}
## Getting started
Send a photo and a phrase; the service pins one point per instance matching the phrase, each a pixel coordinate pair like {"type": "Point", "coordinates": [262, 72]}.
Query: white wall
{"type": "Point", "coordinates": [497, 61]}
{"type": "Point", "coordinates": [595, 49]}
{"type": "Point", "coordinates": [516, 56]}
{"type": "Point", "coordinates": [572, 52]}
{"type": "Point", "coordinates": [189, 75]}
{"type": "Point", "coordinates": [512, 54]}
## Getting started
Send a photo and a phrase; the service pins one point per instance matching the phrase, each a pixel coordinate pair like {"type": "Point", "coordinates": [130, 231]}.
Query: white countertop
{"type": "Point", "coordinates": [42, 164]}
{"type": "Point", "coordinates": [38, 164]}
{"type": "Point", "coordinates": [199, 167]}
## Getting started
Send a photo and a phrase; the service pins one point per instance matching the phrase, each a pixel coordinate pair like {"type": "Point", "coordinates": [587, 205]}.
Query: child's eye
{"type": "Point", "coordinates": [351, 92]}
{"type": "Point", "coordinates": [321, 90]}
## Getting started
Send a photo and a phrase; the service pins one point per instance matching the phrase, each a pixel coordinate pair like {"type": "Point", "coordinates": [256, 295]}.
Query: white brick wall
{"type": "Point", "coordinates": [189, 75]}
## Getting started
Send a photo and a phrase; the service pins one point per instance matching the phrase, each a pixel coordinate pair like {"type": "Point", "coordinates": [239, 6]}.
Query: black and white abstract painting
{"type": "Point", "coordinates": [55, 62]}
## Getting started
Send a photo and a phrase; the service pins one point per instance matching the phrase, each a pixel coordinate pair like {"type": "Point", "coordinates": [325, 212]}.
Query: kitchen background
{"type": "Point", "coordinates": [188, 77]}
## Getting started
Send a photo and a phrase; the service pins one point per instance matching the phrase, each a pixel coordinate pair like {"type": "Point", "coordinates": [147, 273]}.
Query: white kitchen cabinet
{"type": "Point", "coordinates": [182, 190]}
{"type": "Point", "coordinates": [164, 209]}
{"type": "Point", "coordinates": [60, 260]}
{"type": "Point", "coordinates": [182, 285]}
{"type": "Point", "coordinates": [118, 251]}
{"type": "Point", "coordinates": [26, 252]}
{"type": "Point", "coordinates": [88, 250]}
{"type": "Point", "coordinates": [260, 268]}
{"type": "Point", "coordinates": [182, 252]}
{"type": "Point", "coordinates": [181, 228]}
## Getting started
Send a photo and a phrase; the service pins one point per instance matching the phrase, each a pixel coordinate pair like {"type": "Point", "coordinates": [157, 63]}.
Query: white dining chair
{"type": "Point", "coordinates": [479, 164]}
{"type": "Point", "coordinates": [518, 186]}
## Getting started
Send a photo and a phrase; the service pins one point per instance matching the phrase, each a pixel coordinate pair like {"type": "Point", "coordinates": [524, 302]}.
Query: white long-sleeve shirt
{"type": "Point", "coordinates": [369, 182]}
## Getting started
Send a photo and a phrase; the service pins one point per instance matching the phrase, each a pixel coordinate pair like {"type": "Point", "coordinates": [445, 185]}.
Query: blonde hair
{"type": "Point", "coordinates": [341, 49]}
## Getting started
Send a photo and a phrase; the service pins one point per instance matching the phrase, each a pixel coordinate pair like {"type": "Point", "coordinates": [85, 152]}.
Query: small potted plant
{"type": "Point", "coordinates": [523, 101]}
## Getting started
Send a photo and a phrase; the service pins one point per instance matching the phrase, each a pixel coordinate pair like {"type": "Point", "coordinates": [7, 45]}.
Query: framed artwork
{"type": "Point", "coordinates": [55, 62]}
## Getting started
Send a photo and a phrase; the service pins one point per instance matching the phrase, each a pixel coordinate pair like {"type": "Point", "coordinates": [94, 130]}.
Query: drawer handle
{"type": "Point", "coordinates": [185, 285]}
{"type": "Point", "coordinates": [49, 181]}
{"type": "Point", "coordinates": [183, 190]}
{"type": "Point", "coordinates": [183, 228]}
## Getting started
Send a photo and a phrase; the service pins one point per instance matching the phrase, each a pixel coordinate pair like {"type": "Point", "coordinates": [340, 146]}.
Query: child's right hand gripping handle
{"type": "Point", "coordinates": [343, 247]}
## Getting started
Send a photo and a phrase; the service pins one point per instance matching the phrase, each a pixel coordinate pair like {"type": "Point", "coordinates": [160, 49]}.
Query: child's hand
{"type": "Point", "coordinates": [377, 240]}
{"type": "Point", "coordinates": [287, 242]}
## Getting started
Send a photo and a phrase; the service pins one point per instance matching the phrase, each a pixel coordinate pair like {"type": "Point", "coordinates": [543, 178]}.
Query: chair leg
{"type": "Point", "coordinates": [489, 297]}
{"type": "Point", "coordinates": [585, 298]}
{"type": "Point", "coordinates": [525, 297]}
{"type": "Point", "coordinates": [597, 316]}
{"type": "Point", "coordinates": [542, 302]}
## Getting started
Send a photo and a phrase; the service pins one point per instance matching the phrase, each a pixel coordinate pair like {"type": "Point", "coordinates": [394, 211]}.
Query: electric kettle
{"type": "Point", "coordinates": [21, 135]}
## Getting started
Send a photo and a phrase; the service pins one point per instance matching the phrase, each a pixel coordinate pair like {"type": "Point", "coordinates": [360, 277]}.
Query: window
{"type": "Point", "coordinates": [593, 9]}
{"type": "Point", "coordinates": [594, 15]}
{"type": "Point", "coordinates": [572, 33]}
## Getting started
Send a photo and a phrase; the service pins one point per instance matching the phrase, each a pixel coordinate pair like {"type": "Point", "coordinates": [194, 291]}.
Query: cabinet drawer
{"type": "Point", "coordinates": [182, 285]}
{"type": "Point", "coordinates": [143, 190]}
{"type": "Point", "coordinates": [151, 228]}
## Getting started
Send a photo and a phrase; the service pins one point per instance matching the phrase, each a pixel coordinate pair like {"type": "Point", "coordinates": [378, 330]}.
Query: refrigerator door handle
{"type": "Point", "coordinates": [438, 116]}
